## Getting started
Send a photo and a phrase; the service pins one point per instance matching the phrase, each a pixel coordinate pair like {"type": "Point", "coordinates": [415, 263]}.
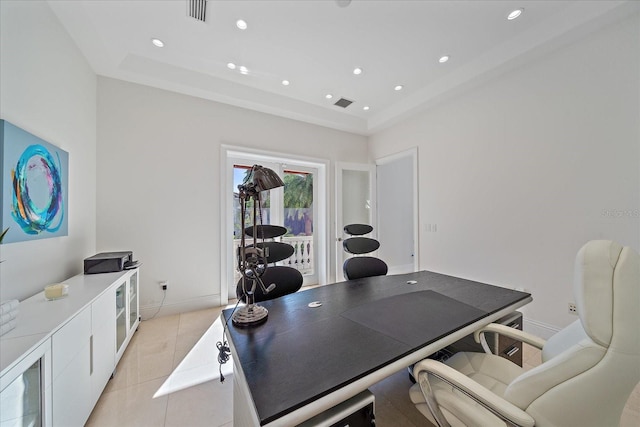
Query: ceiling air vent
{"type": "Point", "coordinates": [197, 9]}
{"type": "Point", "coordinates": [343, 102]}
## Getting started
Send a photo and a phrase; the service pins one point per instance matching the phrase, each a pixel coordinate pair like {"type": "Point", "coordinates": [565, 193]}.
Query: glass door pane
{"type": "Point", "coordinates": [354, 204]}
{"type": "Point", "coordinates": [298, 219]}
{"type": "Point", "coordinates": [121, 315]}
{"type": "Point", "coordinates": [264, 212]}
{"type": "Point", "coordinates": [239, 174]}
{"type": "Point", "coordinates": [133, 299]}
{"type": "Point", "coordinates": [20, 401]}
{"type": "Point", "coordinates": [292, 206]}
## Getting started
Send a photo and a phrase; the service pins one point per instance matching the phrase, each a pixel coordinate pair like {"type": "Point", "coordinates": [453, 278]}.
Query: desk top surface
{"type": "Point", "coordinates": [301, 353]}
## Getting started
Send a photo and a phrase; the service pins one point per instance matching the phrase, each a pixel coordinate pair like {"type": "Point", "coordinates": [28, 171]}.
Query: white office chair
{"type": "Point", "coordinates": [588, 369]}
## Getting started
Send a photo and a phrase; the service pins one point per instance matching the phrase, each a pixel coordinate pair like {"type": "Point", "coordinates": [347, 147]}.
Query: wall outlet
{"type": "Point", "coordinates": [572, 308]}
{"type": "Point", "coordinates": [164, 284]}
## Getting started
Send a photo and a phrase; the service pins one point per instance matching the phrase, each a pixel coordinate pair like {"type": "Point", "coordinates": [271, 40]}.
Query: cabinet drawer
{"type": "Point", "coordinates": [70, 340]}
{"type": "Point", "coordinates": [102, 310]}
{"type": "Point", "coordinates": [509, 348]}
{"type": "Point", "coordinates": [513, 352]}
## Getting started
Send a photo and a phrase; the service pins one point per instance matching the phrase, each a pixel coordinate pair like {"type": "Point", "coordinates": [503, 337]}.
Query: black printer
{"type": "Point", "coordinates": [109, 262]}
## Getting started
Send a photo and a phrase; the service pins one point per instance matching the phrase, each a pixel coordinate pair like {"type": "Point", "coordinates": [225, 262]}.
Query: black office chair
{"type": "Point", "coordinates": [287, 280]}
{"type": "Point", "coordinates": [358, 267]}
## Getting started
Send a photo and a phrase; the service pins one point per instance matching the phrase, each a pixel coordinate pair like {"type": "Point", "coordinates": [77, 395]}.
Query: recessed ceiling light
{"type": "Point", "coordinates": [443, 59]}
{"type": "Point", "coordinates": [243, 70]}
{"type": "Point", "coordinates": [285, 82]}
{"type": "Point", "coordinates": [231, 66]}
{"type": "Point", "coordinates": [157, 42]}
{"type": "Point", "coordinates": [357, 71]}
{"type": "Point", "coordinates": [241, 24]}
{"type": "Point", "coordinates": [365, 108]}
{"type": "Point", "coordinates": [328, 96]}
{"type": "Point", "coordinates": [398, 87]}
{"type": "Point", "coordinates": [513, 15]}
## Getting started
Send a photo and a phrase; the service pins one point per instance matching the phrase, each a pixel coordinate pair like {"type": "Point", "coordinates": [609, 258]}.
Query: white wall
{"type": "Point", "coordinates": [158, 182]}
{"type": "Point", "coordinates": [520, 172]}
{"type": "Point", "coordinates": [48, 89]}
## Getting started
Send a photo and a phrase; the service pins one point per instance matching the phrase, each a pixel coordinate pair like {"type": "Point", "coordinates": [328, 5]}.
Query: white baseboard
{"type": "Point", "coordinates": [400, 269]}
{"type": "Point", "coordinates": [185, 306]}
{"type": "Point", "coordinates": [540, 329]}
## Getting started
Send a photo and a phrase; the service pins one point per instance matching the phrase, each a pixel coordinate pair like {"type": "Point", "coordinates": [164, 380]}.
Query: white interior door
{"type": "Point", "coordinates": [397, 196]}
{"type": "Point", "coordinates": [355, 204]}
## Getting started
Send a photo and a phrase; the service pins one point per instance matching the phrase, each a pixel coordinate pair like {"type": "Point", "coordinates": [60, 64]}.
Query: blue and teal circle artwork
{"type": "Point", "coordinates": [37, 191]}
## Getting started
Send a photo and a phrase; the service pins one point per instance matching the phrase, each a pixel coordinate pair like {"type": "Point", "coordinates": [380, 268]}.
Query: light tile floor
{"type": "Point", "coordinates": [160, 345]}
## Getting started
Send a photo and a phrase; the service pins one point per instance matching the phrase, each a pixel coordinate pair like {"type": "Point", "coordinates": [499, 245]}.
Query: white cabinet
{"type": "Point", "coordinates": [66, 350]}
{"type": "Point", "coordinates": [86, 349]}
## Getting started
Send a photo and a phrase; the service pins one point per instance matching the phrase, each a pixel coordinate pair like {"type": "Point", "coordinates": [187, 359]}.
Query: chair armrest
{"type": "Point", "coordinates": [495, 404]}
{"type": "Point", "coordinates": [516, 334]}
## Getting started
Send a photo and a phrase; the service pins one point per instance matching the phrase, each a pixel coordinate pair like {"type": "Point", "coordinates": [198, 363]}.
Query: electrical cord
{"type": "Point", "coordinates": [161, 304]}
{"type": "Point", "coordinates": [224, 352]}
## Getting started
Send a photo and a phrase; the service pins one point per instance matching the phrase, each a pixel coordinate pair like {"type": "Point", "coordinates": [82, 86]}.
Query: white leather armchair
{"type": "Point", "coordinates": [588, 369]}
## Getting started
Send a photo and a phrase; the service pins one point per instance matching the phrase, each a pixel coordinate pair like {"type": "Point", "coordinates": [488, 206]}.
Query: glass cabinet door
{"type": "Point", "coordinates": [133, 299]}
{"type": "Point", "coordinates": [21, 401]}
{"type": "Point", "coordinates": [121, 315]}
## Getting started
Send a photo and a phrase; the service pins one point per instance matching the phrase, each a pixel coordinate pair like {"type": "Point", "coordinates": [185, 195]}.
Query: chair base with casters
{"type": "Point", "coordinates": [287, 280]}
{"type": "Point", "coordinates": [588, 369]}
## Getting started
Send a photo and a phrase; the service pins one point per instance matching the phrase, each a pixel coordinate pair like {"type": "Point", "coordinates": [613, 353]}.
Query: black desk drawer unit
{"type": "Point", "coordinates": [500, 345]}
{"type": "Point", "coordinates": [355, 412]}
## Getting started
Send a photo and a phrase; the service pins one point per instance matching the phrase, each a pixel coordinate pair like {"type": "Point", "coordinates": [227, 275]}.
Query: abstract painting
{"type": "Point", "coordinates": [34, 179]}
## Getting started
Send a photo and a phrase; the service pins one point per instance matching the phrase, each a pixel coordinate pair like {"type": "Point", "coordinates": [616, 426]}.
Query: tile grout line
{"type": "Point", "coordinates": [173, 363]}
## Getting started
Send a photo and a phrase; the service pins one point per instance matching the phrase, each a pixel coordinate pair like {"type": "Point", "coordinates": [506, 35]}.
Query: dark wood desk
{"type": "Point", "coordinates": [305, 360]}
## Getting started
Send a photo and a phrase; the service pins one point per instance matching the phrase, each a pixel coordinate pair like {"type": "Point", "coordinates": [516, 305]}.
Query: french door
{"type": "Point", "coordinates": [293, 206]}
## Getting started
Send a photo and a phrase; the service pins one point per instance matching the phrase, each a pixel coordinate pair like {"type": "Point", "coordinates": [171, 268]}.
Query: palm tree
{"type": "Point", "coordinates": [298, 198]}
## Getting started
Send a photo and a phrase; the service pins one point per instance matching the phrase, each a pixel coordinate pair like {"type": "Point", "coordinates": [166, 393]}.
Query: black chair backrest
{"type": "Point", "coordinates": [275, 251]}
{"type": "Point", "coordinates": [287, 280]}
{"type": "Point", "coordinates": [363, 266]}
{"type": "Point", "coordinates": [266, 231]}
{"type": "Point", "coordinates": [358, 229]}
{"type": "Point", "coordinates": [360, 245]}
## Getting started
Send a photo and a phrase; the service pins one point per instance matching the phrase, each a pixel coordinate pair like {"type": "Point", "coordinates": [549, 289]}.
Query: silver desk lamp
{"type": "Point", "coordinates": [252, 262]}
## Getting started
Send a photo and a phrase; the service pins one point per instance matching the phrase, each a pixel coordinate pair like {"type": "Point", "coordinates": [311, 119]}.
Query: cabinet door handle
{"type": "Point", "coordinates": [91, 355]}
{"type": "Point", "coordinates": [512, 351]}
